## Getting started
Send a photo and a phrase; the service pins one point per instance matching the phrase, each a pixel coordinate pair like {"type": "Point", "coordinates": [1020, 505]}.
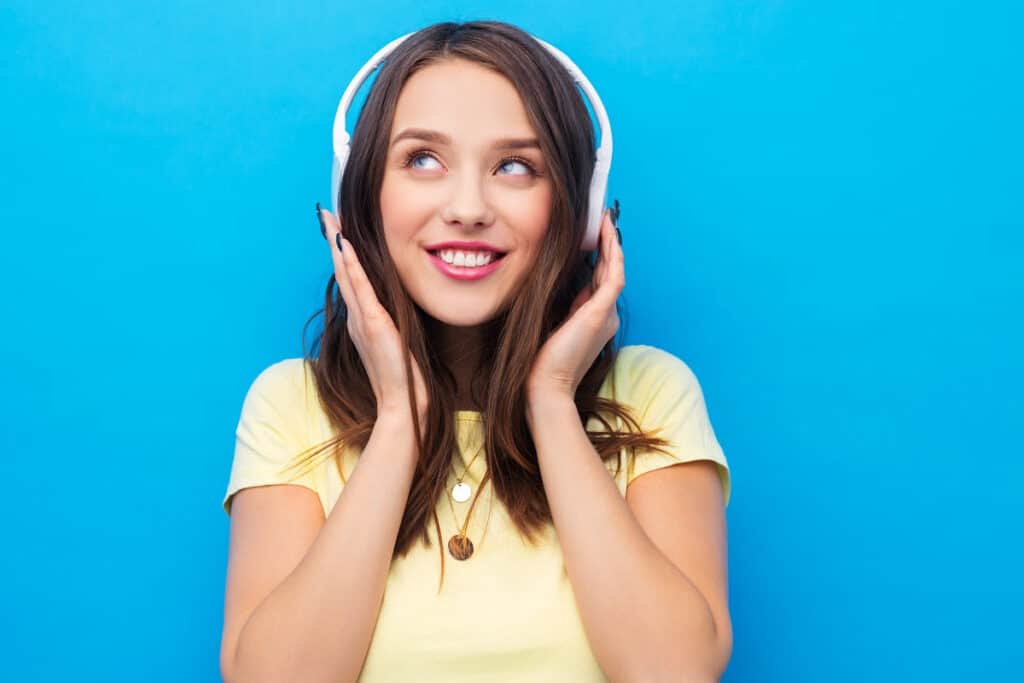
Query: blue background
{"type": "Point", "coordinates": [821, 210]}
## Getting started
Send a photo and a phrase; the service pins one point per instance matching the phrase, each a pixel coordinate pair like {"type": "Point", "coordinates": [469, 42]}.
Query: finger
{"type": "Point", "coordinates": [340, 265]}
{"type": "Point", "coordinates": [602, 255]}
{"type": "Point", "coordinates": [596, 280]}
{"type": "Point", "coordinates": [366, 297]}
{"type": "Point", "coordinates": [618, 256]}
{"type": "Point", "coordinates": [611, 272]}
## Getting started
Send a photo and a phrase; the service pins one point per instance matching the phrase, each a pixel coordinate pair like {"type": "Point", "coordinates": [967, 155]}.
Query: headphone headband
{"type": "Point", "coordinates": [602, 161]}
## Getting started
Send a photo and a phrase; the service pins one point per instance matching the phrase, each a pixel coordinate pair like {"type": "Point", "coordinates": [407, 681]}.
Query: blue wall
{"type": "Point", "coordinates": [821, 208]}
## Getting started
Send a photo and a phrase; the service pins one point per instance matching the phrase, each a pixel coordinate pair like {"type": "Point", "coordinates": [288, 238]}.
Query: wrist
{"type": "Point", "coordinates": [539, 398]}
{"type": "Point", "coordinates": [399, 407]}
{"type": "Point", "coordinates": [400, 417]}
{"type": "Point", "coordinates": [549, 405]}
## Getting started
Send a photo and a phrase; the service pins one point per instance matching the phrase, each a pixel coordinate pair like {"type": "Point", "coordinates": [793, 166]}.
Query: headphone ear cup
{"type": "Point", "coordinates": [602, 165]}
{"type": "Point", "coordinates": [337, 173]}
{"type": "Point", "coordinates": [596, 207]}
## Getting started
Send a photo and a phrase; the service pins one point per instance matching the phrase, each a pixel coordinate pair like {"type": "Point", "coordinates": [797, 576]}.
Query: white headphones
{"type": "Point", "coordinates": [602, 163]}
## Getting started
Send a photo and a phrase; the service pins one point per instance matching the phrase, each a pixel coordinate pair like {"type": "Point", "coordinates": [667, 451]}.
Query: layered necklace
{"type": "Point", "coordinates": [459, 545]}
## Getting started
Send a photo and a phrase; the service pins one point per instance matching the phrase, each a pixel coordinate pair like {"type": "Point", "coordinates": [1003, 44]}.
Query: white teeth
{"type": "Point", "coordinates": [470, 259]}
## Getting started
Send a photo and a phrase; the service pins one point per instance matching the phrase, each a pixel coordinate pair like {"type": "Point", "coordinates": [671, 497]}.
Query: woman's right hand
{"type": "Point", "coordinates": [371, 327]}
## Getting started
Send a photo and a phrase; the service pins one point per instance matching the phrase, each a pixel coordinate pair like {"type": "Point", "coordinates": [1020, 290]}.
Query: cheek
{"type": "Point", "coordinates": [533, 216]}
{"type": "Point", "coordinates": [400, 212]}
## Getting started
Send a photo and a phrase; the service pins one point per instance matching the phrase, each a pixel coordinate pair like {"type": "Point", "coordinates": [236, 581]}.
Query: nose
{"type": "Point", "coordinates": [468, 203]}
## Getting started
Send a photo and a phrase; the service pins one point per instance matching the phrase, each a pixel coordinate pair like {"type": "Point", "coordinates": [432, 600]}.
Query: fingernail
{"type": "Point", "coordinates": [337, 240]}
{"type": "Point", "coordinates": [615, 220]}
{"type": "Point", "coordinates": [319, 217]}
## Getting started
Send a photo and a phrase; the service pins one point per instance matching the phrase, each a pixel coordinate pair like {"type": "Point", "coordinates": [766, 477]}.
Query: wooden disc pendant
{"type": "Point", "coordinates": [461, 492]}
{"type": "Point", "coordinates": [460, 547]}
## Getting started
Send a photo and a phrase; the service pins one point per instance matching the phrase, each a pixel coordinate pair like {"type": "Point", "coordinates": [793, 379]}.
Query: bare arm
{"type": "Point", "coordinates": [317, 623]}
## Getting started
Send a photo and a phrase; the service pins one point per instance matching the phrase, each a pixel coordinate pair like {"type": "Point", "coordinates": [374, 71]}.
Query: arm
{"type": "Point", "coordinates": [645, 618]}
{"type": "Point", "coordinates": [316, 625]}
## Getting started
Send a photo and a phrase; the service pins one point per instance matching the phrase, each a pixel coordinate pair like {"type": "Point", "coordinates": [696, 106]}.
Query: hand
{"type": "Point", "coordinates": [371, 327]}
{"type": "Point", "coordinates": [571, 349]}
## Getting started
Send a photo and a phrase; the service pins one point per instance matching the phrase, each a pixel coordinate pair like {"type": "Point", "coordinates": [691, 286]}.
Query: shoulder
{"type": "Point", "coordinates": [670, 403]}
{"type": "Point", "coordinates": [645, 355]}
{"type": "Point", "coordinates": [284, 390]}
{"type": "Point", "coordinates": [659, 385]}
{"type": "Point", "coordinates": [645, 368]}
{"type": "Point", "coordinates": [273, 427]}
{"type": "Point", "coordinates": [288, 372]}
{"type": "Point", "coordinates": [286, 382]}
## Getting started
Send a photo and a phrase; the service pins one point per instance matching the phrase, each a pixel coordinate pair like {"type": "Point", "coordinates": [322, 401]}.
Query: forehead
{"type": "Point", "coordinates": [468, 101]}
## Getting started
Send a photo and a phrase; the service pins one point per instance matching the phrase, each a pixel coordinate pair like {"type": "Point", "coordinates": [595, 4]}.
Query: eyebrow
{"type": "Point", "coordinates": [442, 139]}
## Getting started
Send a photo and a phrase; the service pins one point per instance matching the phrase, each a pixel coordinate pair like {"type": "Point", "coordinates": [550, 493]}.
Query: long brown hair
{"type": "Point", "coordinates": [559, 116]}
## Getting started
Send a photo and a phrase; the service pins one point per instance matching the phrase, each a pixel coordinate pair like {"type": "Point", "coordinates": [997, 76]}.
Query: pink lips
{"type": "Point", "coordinates": [464, 273]}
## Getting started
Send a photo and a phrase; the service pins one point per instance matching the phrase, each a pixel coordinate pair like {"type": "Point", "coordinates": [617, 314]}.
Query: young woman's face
{"type": "Point", "coordinates": [462, 187]}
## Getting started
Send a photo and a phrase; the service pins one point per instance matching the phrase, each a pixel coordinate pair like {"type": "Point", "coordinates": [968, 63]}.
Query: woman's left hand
{"type": "Point", "coordinates": [569, 352]}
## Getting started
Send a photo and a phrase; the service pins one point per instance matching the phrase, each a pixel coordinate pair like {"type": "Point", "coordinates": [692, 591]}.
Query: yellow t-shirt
{"type": "Point", "coordinates": [508, 612]}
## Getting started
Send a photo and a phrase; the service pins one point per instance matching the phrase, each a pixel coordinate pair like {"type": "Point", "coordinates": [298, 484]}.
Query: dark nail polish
{"type": "Point", "coordinates": [323, 228]}
{"type": "Point", "coordinates": [615, 220]}
{"type": "Point", "coordinates": [337, 240]}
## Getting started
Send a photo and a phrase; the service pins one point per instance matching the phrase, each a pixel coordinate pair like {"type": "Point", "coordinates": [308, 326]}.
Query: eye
{"type": "Point", "coordinates": [530, 170]}
{"type": "Point", "coordinates": [411, 158]}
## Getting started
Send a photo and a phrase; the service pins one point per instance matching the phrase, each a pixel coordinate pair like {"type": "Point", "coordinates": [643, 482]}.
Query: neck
{"type": "Point", "coordinates": [459, 349]}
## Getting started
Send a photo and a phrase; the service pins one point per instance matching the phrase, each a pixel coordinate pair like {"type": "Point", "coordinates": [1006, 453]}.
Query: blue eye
{"type": "Point", "coordinates": [416, 155]}
{"type": "Point", "coordinates": [413, 156]}
{"type": "Point", "coordinates": [516, 160]}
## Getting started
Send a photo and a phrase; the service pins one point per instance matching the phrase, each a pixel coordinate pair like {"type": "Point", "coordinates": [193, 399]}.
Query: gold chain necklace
{"type": "Point", "coordinates": [459, 545]}
{"type": "Point", "coordinates": [461, 492]}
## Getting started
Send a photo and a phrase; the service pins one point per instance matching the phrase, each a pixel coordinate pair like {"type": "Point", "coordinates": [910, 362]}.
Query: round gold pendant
{"type": "Point", "coordinates": [461, 492]}
{"type": "Point", "coordinates": [460, 547]}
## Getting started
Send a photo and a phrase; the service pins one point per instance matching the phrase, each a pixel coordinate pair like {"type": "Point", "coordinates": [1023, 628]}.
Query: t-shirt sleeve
{"type": "Point", "coordinates": [670, 399]}
{"type": "Point", "coordinates": [272, 429]}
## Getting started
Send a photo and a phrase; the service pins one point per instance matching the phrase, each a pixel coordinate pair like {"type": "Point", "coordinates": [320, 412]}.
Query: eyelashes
{"type": "Point", "coordinates": [423, 152]}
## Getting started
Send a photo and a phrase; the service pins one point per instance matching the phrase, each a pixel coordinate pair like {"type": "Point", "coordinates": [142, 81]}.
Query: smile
{"type": "Point", "coordinates": [466, 272]}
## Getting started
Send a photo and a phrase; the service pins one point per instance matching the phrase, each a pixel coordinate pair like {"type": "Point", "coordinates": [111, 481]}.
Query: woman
{"type": "Point", "coordinates": [464, 409]}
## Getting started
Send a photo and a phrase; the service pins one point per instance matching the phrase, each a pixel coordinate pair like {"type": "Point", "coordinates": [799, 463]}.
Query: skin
{"type": "Point", "coordinates": [677, 602]}
{"type": "Point", "coordinates": [466, 186]}
{"type": "Point", "coordinates": [465, 190]}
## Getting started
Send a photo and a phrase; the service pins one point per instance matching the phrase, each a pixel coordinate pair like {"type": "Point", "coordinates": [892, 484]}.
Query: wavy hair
{"type": "Point", "coordinates": [537, 306]}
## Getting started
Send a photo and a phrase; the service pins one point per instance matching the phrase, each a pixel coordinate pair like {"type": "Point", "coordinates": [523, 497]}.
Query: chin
{"type": "Point", "coordinates": [442, 311]}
